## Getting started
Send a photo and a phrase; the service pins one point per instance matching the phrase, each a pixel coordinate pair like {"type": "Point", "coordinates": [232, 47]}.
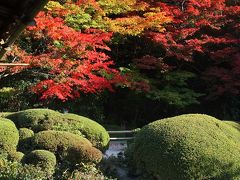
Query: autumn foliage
{"type": "Point", "coordinates": [179, 52]}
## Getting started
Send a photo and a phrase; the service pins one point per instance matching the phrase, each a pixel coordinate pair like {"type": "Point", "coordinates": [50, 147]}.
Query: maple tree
{"type": "Point", "coordinates": [178, 52]}
{"type": "Point", "coordinates": [75, 61]}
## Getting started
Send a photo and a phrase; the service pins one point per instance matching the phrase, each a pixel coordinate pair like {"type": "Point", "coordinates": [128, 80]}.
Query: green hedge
{"type": "Point", "coordinates": [44, 159]}
{"type": "Point", "coordinates": [46, 119]}
{"type": "Point", "coordinates": [25, 140]}
{"type": "Point", "coordinates": [67, 146]}
{"type": "Point", "coordinates": [192, 146]}
{"type": "Point", "coordinates": [88, 128]}
{"type": "Point", "coordinates": [9, 136]}
{"type": "Point", "coordinates": [35, 119]}
{"type": "Point", "coordinates": [233, 124]}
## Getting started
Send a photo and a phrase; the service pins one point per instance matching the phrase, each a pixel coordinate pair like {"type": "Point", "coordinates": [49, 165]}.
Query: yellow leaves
{"type": "Point", "coordinates": [116, 6]}
{"type": "Point", "coordinates": [51, 5]}
{"type": "Point", "coordinates": [135, 25]}
{"type": "Point", "coordinates": [130, 25]}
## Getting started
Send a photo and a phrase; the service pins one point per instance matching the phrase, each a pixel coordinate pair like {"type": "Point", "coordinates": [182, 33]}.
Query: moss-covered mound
{"type": "Point", "coordinates": [88, 128]}
{"type": "Point", "coordinates": [41, 158]}
{"type": "Point", "coordinates": [35, 119]}
{"type": "Point", "coordinates": [9, 136]}
{"type": "Point", "coordinates": [190, 146]}
{"type": "Point", "coordinates": [67, 146]}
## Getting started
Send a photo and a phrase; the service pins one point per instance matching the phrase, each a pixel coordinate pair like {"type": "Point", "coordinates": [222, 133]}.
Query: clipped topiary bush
{"type": "Point", "coordinates": [67, 146]}
{"type": "Point", "coordinates": [25, 133]}
{"type": "Point", "coordinates": [15, 156]}
{"type": "Point", "coordinates": [25, 140]}
{"type": "Point", "coordinates": [190, 146]}
{"type": "Point", "coordinates": [4, 114]}
{"type": "Point", "coordinates": [88, 128]}
{"type": "Point", "coordinates": [9, 136]}
{"type": "Point", "coordinates": [35, 119]}
{"type": "Point", "coordinates": [46, 119]}
{"type": "Point", "coordinates": [44, 159]}
{"type": "Point", "coordinates": [233, 124]}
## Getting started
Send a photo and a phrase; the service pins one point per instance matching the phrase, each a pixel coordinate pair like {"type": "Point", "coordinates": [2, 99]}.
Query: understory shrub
{"type": "Point", "coordinates": [31, 144]}
{"type": "Point", "coordinates": [15, 156]}
{"type": "Point", "coordinates": [90, 129]}
{"type": "Point", "coordinates": [46, 119]}
{"type": "Point", "coordinates": [9, 136]}
{"type": "Point", "coordinates": [67, 146]}
{"type": "Point", "coordinates": [35, 119]}
{"type": "Point", "coordinates": [44, 159]}
{"type": "Point", "coordinates": [25, 140]}
{"type": "Point", "coordinates": [12, 170]}
{"type": "Point", "coordinates": [192, 146]}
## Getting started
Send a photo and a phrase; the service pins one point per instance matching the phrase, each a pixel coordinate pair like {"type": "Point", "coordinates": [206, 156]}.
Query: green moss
{"type": "Point", "coordinates": [46, 160]}
{"type": "Point", "coordinates": [35, 119]}
{"type": "Point", "coordinates": [15, 156]}
{"type": "Point", "coordinates": [90, 129]}
{"type": "Point", "coordinates": [190, 146]}
{"type": "Point", "coordinates": [25, 140]}
{"type": "Point", "coordinates": [9, 136]}
{"type": "Point", "coordinates": [67, 146]}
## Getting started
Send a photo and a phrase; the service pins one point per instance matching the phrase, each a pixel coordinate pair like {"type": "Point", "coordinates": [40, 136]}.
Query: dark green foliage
{"type": "Point", "coordinates": [190, 146]}
{"type": "Point", "coordinates": [43, 159]}
{"type": "Point", "coordinates": [67, 146]}
{"type": "Point", "coordinates": [35, 119]}
{"type": "Point", "coordinates": [90, 129]}
{"type": "Point", "coordinates": [176, 91]}
{"type": "Point", "coordinates": [9, 136]}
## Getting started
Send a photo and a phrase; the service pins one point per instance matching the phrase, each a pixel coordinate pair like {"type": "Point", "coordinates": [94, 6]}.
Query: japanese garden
{"type": "Point", "coordinates": [159, 77]}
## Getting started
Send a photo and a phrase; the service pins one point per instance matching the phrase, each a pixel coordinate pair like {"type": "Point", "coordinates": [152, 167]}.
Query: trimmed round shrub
{"type": "Point", "coordinates": [4, 114]}
{"type": "Point", "coordinates": [44, 159]}
{"type": "Point", "coordinates": [192, 146]}
{"type": "Point", "coordinates": [46, 119]}
{"type": "Point", "coordinates": [25, 133]}
{"type": "Point", "coordinates": [15, 156]}
{"type": "Point", "coordinates": [88, 128]}
{"type": "Point", "coordinates": [9, 136]}
{"type": "Point", "coordinates": [25, 140]}
{"type": "Point", "coordinates": [233, 124]}
{"type": "Point", "coordinates": [35, 119]}
{"type": "Point", "coordinates": [67, 146]}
